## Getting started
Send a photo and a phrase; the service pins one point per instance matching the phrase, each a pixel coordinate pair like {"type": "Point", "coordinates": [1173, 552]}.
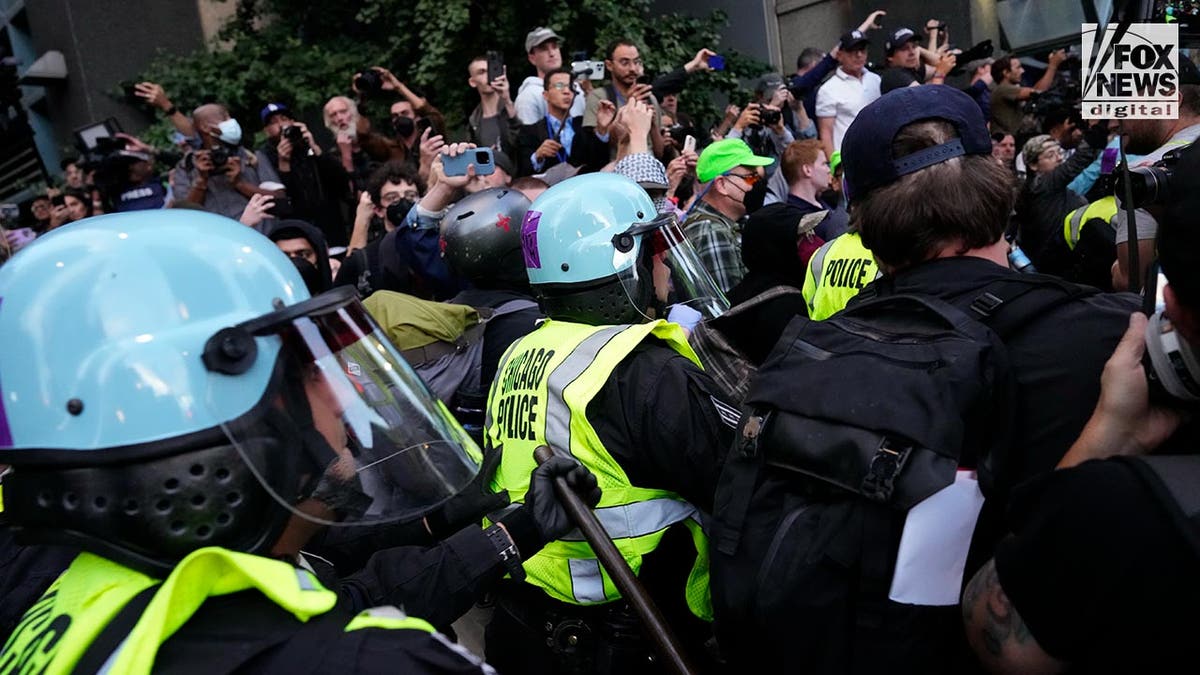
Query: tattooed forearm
{"type": "Point", "coordinates": [1001, 623]}
{"type": "Point", "coordinates": [996, 631]}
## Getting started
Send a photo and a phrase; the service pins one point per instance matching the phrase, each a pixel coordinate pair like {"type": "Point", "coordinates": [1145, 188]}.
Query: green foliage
{"type": "Point", "coordinates": [303, 52]}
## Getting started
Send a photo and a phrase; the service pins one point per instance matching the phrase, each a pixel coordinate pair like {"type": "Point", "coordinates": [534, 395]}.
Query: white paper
{"type": "Point", "coordinates": [933, 547]}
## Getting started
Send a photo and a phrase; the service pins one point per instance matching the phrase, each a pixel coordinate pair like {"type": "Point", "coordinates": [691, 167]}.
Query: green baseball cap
{"type": "Point", "coordinates": [720, 157]}
{"type": "Point", "coordinates": [835, 160]}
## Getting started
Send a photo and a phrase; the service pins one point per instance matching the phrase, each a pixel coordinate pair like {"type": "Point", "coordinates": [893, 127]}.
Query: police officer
{"type": "Point", "coordinates": [190, 426]}
{"type": "Point", "coordinates": [836, 273]}
{"type": "Point", "coordinates": [607, 381]}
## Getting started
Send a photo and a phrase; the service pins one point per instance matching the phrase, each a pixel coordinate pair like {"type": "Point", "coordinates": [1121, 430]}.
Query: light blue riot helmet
{"type": "Point", "coordinates": [168, 384]}
{"type": "Point", "coordinates": [598, 252]}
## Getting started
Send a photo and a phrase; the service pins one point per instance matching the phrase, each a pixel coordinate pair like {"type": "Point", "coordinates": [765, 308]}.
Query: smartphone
{"type": "Point", "coordinates": [716, 62]}
{"type": "Point", "coordinates": [281, 207]}
{"type": "Point", "coordinates": [58, 200]}
{"type": "Point", "coordinates": [495, 64]}
{"type": "Point", "coordinates": [480, 157]}
{"type": "Point", "coordinates": [9, 213]}
{"type": "Point", "coordinates": [643, 79]}
{"type": "Point", "coordinates": [689, 143]}
{"type": "Point", "coordinates": [592, 70]}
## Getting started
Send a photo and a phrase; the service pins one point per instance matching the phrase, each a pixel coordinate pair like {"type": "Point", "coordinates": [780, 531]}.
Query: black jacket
{"type": "Point", "coordinates": [247, 633]}
{"type": "Point", "coordinates": [295, 229]}
{"type": "Point", "coordinates": [1045, 200]}
{"type": "Point", "coordinates": [586, 151]}
{"type": "Point", "coordinates": [319, 190]}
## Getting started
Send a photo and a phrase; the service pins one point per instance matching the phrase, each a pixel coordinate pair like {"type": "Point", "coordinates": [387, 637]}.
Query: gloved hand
{"type": "Point", "coordinates": [549, 516]}
{"type": "Point", "coordinates": [19, 238]}
{"type": "Point", "coordinates": [469, 506]}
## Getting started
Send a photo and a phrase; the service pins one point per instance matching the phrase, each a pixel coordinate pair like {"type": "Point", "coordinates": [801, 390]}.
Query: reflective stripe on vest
{"type": "Point", "coordinates": [1104, 209]}
{"type": "Point", "coordinates": [540, 396]}
{"type": "Point", "coordinates": [391, 618]}
{"type": "Point", "coordinates": [838, 271]}
{"type": "Point", "coordinates": [58, 630]}
{"type": "Point", "coordinates": [812, 275]}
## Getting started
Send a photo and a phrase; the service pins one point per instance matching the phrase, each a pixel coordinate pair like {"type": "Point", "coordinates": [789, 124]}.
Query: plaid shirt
{"type": "Point", "coordinates": [718, 243]}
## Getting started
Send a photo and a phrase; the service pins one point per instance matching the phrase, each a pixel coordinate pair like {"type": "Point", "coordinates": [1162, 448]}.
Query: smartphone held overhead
{"type": "Point", "coordinates": [482, 158]}
{"type": "Point", "coordinates": [495, 65]}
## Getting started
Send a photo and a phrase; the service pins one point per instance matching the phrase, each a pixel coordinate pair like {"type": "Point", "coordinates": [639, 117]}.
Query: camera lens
{"type": "Point", "coordinates": [1148, 184]}
{"type": "Point", "coordinates": [481, 157]}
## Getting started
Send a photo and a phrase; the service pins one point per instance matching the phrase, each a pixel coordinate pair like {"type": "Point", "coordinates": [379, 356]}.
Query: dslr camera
{"type": "Point", "coordinates": [769, 117]}
{"type": "Point", "coordinates": [368, 82]}
{"type": "Point", "coordinates": [1171, 363]}
{"type": "Point", "coordinates": [1151, 185]}
{"type": "Point", "coordinates": [295, 135]}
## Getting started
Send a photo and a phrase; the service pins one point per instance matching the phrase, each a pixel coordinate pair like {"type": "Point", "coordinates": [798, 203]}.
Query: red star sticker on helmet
{"type": "Point", "coordinates": [503, 221]}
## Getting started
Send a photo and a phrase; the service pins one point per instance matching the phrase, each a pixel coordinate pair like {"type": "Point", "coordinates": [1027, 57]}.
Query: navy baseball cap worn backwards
{"type": "Point", "coordinates": [867, 146]}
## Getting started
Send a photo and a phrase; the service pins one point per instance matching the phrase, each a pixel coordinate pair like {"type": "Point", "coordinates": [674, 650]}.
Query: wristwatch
{"type": "Point", "coordinates": [507, 550]}
{"type": "Point", "coordinates": [170, 111]}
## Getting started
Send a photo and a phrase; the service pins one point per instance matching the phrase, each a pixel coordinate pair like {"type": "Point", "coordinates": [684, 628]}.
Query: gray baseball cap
{"type": "Point", "coordinates": [539, 35]}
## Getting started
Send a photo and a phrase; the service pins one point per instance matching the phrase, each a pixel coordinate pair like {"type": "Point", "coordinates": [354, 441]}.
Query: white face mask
{"type": "Point", "coordinates": [230, 131]}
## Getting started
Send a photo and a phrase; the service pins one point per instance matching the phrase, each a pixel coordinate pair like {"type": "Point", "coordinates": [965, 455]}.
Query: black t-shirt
{"type": "Point", "coordinates": [898, 78]}
{"type": "Point", "coordinates": [1099, 572]}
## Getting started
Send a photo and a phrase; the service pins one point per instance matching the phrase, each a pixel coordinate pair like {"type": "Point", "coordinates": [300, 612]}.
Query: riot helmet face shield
{"type": "Point", "coordinates": [658, 269]}
{"type": "Point", "coordinates": [368, 442]}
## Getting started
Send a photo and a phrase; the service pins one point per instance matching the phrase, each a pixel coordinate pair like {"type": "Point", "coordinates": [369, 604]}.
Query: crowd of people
{"type": "Point", "coordinates": [852, 378]}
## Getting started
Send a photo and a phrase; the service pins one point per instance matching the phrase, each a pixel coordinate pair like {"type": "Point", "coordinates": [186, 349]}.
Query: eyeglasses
{"type": "Point", "coordinates": [1051, 151]}
{"type": "Point", "coordinates": [389, 198]}
{"type": "Point", "coordinates": [560, 85]}
{"type": "Point", "coordinates": [750, 178]}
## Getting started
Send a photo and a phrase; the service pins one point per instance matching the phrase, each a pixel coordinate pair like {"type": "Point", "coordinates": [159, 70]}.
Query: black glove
{"type": "Point", "coordinates": [1096, 136]}
{"type": "Point", "coordinates": [471, 504]}
{"type": "Point", "coordinates": [542, 503]}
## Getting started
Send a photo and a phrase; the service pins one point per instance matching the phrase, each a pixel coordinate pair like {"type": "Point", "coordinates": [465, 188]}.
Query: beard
{"type": "Point", "coordinates": [350, 127]}
{"type": "Point", "coordinates": [1142, 136]}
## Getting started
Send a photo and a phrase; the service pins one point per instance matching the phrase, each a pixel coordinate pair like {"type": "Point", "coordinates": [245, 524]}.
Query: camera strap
{"type": "Point", "coordinates": [1134, 278]}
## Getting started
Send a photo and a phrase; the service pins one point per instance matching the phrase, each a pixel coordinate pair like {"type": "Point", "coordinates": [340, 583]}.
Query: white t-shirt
{"type": "Point", "coordinates": [531, 105]}
{"type": "Point", "coordinates": [842, 96]}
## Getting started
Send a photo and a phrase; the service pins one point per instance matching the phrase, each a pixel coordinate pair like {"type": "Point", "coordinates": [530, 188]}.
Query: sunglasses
{"type": "Point", "coordinates": [750, 178]}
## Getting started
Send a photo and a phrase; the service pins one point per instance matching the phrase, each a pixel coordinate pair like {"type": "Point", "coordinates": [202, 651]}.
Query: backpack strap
{"type": "Point", "coordinates": [511, 307]}
{"type": "Point", "coordinates": [743, 466]}
{"type": "Point", "coordinates": [1175, 479]}
{"type": "Point", "coordinates": [118, 628]}
{"type": "Point", "coordinates": [439, 349]}
{"type": "Point", "coordinates": [1008, 305]}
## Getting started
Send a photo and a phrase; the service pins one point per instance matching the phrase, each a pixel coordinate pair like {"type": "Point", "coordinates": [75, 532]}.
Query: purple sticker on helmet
{"type": "Point", "coordinates": [529, 228]}
{"type": "Point", "coordinates": [5, 434]}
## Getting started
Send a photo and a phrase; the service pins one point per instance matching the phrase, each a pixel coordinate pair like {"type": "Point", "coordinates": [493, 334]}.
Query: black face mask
{"type": "Point", "coordinates": [403, 126]}
{"type": "Point", "coordinates": [829, 198]}
{"type": "Point", "coordinates": [397, 212]}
